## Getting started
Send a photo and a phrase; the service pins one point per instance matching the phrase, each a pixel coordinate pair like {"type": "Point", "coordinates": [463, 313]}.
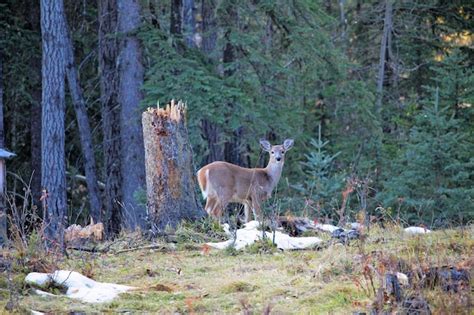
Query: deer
{"type": "Point", "coordinates": [222, 183]}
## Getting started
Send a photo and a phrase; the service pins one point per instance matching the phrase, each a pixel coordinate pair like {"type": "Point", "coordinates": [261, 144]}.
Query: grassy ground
{"type": "Point", "coordinates": [333, 280]}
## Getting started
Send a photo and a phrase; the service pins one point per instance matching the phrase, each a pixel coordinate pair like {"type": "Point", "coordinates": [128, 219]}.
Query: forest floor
{"type": "Point", "coordinates": [190, 278]}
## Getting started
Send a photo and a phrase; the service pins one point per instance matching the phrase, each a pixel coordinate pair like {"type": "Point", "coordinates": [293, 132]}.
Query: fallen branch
{"type": "Point", "coordinates": [161, 247]}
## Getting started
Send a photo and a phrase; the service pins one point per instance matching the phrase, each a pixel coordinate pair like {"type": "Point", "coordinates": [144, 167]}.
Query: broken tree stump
{"type": "Point", "coordinates": [170, 180]}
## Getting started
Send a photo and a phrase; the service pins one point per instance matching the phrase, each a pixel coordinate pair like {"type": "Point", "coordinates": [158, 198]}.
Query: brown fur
{"type": "Point", "coordinates": [222, 182]}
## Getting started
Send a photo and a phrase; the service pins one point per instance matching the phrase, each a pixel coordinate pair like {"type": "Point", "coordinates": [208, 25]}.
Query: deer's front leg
{"type": "Point", "coordinates": [257, 213]}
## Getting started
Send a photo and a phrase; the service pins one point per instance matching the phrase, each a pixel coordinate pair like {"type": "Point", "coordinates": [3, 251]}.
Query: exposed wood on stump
{"type": "Point", "coordinates": [171, 194]}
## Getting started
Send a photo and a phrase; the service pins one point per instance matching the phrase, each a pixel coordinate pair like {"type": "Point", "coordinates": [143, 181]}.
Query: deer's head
{"type": "Point", "coordinates": [277, 152]}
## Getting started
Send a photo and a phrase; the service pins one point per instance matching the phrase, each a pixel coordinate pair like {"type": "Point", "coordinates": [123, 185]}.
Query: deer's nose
{"type": "Point", "coordinates": [278, 159]}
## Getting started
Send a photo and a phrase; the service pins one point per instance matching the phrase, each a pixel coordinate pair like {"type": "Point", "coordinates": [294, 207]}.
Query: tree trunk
{"type": "Point", "coordinates": [108, 51]}
{"type": "Point", "coordinates": [2, 131]}
{"type": "Point", "coordinates": [33, 14]}
{"type": "Point", "coordinates": [84, 129]}
{"type": "Point", "coordinates": [175, 19]}
{"type": "Point", "coordinates": [131, 74]}
{"type": "Point", "coordinates": [210, 130]}
{"type": "Point", "coordinates": [209, 26]}
{"type": "Point", "coordinates": [189, 23]}
{"type": "Point", "coordinates": [53, 167]}
{"type": "Point", "coordinates": [3, 209]}
{"type": "Point", "coordinates": [233, 148]}
{"type": "Point", "coordinates": [170, 178]}
{"type": "Point", "coordinates": [387, 28]}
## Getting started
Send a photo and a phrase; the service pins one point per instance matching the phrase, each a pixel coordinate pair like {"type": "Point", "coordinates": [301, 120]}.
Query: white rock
{"type": "Point", "coordinates": [416, 230]}
{"type": "Point", "coordinates": [402, 278]}
{"type": "Point", "coordinates": [356, 225]}
{"type": "Point", "coordinates": [78, 286]}
{"type": "Point", "coordinates": [39, 279]}
{"type": "Point", "coordinates": [250, 233]}
{"type": "Point", "coordinates": [326, 227]}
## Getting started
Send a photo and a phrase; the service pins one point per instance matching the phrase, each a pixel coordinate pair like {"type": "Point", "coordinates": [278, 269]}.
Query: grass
{"type": "Point", "coordinates": [199, 280]}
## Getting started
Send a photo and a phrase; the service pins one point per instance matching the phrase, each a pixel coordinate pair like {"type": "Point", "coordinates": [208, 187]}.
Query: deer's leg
{"type": "Point", "coordinates": [210, 205]}
{"type": "Point", "coordinates": [257, 213]}
{"type": "Point", "coordinates": [246, 212]}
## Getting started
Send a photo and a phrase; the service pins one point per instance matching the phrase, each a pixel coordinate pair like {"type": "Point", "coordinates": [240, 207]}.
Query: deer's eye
{"type": "Point", "coordinates": [273, 152]}
{"type": "Point", "coordinates": [282, 152]}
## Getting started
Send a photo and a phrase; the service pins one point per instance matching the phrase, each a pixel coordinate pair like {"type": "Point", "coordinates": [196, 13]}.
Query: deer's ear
{"type": "Point", "coordinates": [265, 145]}
{"type": "Point", "coordinates": [288, 144]}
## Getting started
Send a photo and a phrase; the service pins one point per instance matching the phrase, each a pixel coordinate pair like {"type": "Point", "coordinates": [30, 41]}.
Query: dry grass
{"type": "Point", "coordinates": [307, 282]}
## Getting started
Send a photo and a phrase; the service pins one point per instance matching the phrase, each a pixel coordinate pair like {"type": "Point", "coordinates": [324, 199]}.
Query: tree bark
{"type": "Point", "coordinates": [175, 19]}
{"type": "Point", "coordinates": [211, 131]}
{"type": "Point", "coordinates": [189, 23]}
{"type": "Point", "coordinates": [387, 28]}
{"type": "Point", "coordinates": [3, 209]}
{"type": "Point", "coordinates": [2, 131]}
{"type": "Point", "coordinates": [33, 14]}
{"type": "Point", "coordinates": [131, 75]}
{"type": "Point", "coordinates": [110, 110]}
{"type": "Point", "coordinates": [84, 128]}
{"type": "Point", "coordinates": [233, 151]}
{"type": "Point", "coordinates": [209, 26]}
{"type": "Point", "coordinates": [170, 178]}
{"type": "Point", "coordinates": [53, 166]}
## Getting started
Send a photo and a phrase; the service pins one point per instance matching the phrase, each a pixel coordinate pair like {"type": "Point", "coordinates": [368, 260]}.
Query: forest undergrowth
{"type": "Point", "coordinates": [180, 274]}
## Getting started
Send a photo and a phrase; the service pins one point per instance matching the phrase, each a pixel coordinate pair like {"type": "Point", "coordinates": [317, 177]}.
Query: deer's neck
{"type": "Point", "coordinates": [274, 173]}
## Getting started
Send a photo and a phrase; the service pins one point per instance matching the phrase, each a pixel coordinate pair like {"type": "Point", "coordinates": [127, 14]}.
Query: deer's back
{"type": "Point", "coordinates": [231, 181]}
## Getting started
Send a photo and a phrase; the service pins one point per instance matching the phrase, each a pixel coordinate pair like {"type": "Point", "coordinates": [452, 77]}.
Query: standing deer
{"type": "Point", "coordinates": [222, 182]}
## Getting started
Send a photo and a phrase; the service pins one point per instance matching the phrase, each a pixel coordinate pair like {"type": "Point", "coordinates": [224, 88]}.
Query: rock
{"type": "Point", "coordinates": [416, 230]}
{"type": "Point", "coordinates": [402, 278]}
{"type": "Point", "coordinates": [326, 227]}
{"type": "Point", "coordinates": [338, 233]}
{"type": "Point", "coordinates": [250, 233]}
{"type": "Point", "coordinates": [78, 286]}
{"type": "Point", "coordinates": [345, 236]}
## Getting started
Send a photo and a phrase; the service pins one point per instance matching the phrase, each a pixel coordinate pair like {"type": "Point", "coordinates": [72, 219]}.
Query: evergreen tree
{"type": "Point", "coordinates": [322, 184]}
{"type": "Point", "coordinates": [434, 181]}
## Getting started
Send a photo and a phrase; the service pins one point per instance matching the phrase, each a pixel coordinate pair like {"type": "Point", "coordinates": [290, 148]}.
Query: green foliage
{"type": "Point", "coordinates": [322, 184]}
{"type": "Point", "coordinates": [204, 230]}
{"type": "Point", "coordinates": [262, 246]}
{"type": "Point", "coordinates": [433, 180]}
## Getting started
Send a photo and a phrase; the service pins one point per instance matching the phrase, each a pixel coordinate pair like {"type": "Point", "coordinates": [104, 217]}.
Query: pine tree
{"type": "Point", "coordinates": [321, 184]}
{"type": "Point", "coordinates": [434, 182]}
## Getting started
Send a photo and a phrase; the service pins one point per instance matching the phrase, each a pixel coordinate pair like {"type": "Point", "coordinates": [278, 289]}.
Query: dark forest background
{"type": "Point", "coordinates": [378, 96]}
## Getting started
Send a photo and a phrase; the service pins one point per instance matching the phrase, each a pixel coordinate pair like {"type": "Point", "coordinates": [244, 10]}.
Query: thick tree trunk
{"type": "Point", "coordinates": [53, 167]}
{"type": "Point", "coordinates": [170, 178]}
{"type": "Point", "coordinates": [84, 130]}
{"type": "Point", "coordinates": [108, 51]}
{"type": "Point", "coordinates": [131, 74]}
